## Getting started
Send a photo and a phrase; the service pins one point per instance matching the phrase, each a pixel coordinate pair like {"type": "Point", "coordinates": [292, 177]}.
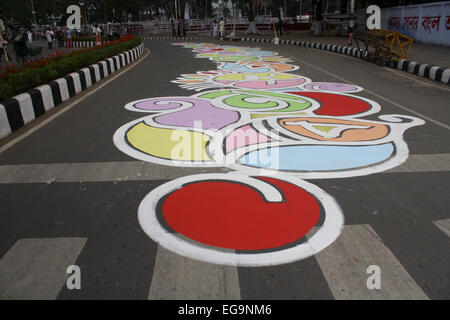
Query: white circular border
{"type": "Point", "coordinates": [326, 235]}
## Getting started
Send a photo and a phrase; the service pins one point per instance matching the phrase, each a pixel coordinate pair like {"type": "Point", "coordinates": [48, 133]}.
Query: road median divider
{"type": "Point", "coordinates": [68, 75]}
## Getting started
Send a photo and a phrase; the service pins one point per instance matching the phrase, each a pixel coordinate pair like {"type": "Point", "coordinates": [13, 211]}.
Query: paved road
{"type": "Point", "coordinates": [69, 196]}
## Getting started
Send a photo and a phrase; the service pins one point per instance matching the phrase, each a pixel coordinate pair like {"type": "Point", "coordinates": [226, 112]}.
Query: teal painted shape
{"type": "Point", "coordinates": [318, 157]}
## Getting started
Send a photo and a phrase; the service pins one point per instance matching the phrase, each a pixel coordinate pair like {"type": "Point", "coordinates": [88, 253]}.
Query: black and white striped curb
{"type": "Point", "coordinates": [424, 70]}
{"type": "Point", "coordinates": [432, 72]}
{"type": "Point", "coordinates": [23, 108]}
{"type": "Point", "coordinates": [316, 45]}
{"type": "Point", "coordinates": [81, 44]}
{"type": "Point", "coordinates": [168, 38]}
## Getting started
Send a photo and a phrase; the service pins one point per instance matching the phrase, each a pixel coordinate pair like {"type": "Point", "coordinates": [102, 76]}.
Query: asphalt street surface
{"type": "Point", "coordinates": [397, 219]}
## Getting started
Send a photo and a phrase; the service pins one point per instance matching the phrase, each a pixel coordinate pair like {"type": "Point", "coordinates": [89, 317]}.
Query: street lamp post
{"type": "Point", "coordinates": [82, 15]}
{"type": "Point", "coordinates": [33, 12]}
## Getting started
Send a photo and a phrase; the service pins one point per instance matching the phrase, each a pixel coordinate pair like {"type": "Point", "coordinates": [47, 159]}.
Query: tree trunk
{"type": "Point", "coordinates": [250, 4]}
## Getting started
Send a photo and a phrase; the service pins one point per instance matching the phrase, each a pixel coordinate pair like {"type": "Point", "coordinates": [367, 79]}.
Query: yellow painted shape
{"type": "Point", "coordinates": [326, 129]}
{"type": "Point", "coordinates": [180, 145]}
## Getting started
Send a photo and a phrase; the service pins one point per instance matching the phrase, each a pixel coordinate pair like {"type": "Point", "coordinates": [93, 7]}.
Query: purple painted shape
{"type": "Point", "coordinates": [211, 118]}
{"type": "Point", "coordinates": [331, 86]}
{"type": "Point", "coordinates": [169, 103]}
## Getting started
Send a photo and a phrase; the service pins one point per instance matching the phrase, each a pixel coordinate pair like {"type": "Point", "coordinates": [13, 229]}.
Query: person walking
{"type": "Point", "coordinates": [69, 38]}
{"type": "Point", "coordinates": [173, 28]}
{"type": "Point", "coordinates": [109, 30]}
{"type": "Point", "coordinates": [183, 27]}
{"type": "Point", "coordinates": [49, 34]}
{"type": "Point", "coordinates": [280, 25]}
{"type": "Point", "coordinates": [179, 28]}
{"type": "Point", "coordinates": [3, 50]}
{"type": "Point", "coordinates": [98, 35]}
{"type": "Point", "coordinates": [60, 38]}
{"type": "Point", "coordinates": [215, 29]}
{"type": "Point", "coordinates": [222, 28]}
{"type": "Point", "coordinates": [20, 44]}
{"type": "Point", "coordinates": [30, 36]}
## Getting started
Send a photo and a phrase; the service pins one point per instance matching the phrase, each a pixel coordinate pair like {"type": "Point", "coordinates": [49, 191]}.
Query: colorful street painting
{"type": "Point", "coordinates": [273, 128]}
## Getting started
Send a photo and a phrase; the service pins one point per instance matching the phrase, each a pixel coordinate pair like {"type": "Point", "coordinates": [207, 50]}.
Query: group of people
{"type": "Point", "coordinates": [178, 28]}
{"type": "Point", "coordinates": [18, 37]}
{"type": "Point", "coordinates": [218, 28]}
{"type": "Point", "coordinates": [22, 38]}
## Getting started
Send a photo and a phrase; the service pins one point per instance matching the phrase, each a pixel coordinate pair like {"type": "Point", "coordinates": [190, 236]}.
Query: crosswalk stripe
{"type": "Point", "coordinates": [443, 225]}
{"type": "Point", "coordinates": [35, 269]}
{"type": "Point", "coordinates": [178, 278]}
{"type": "Point", "coordinates": [139, 170]}
{"type": "Point", "coordinates": [425, 163]}
{"type": "Point", "coordinates": [345, 264]}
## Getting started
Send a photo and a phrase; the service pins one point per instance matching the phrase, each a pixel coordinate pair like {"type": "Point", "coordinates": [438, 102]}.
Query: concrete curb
{"type": "Point", "coordinates": [428, 71]}
{"type": "Point", "coordinates": [168, 38]}
{"type": "Point", "coordinates": [23, 108]}
{"type": "Point", "coordinates": [80, 44]}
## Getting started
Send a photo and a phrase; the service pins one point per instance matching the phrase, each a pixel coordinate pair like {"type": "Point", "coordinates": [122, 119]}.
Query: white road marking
{"type": "Point", "coordinates": [71, 105]}
{"type": "Point", "coordinates": [178, 278]}
{"type": "Point", "coordinates": [443, 225]}
{"type": "Point", "coordinates": [411, 77]}
{"type": "Point", "coordinates": [344, 265]}
{"type": "Point", "coordinates": [142, 171]}
{"type": "Point", "coordinates": [36, 268]}
{"type": "Point", "coordinates": [398, 105]}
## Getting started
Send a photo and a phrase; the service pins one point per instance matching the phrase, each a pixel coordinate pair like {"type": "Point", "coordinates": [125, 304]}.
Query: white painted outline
{"type": "Point", "coordinates": [120, 142]}
{"type": "Point", "coordinates": [395, 136]}
{"type": "Point", "coordinates": [333, 220]}
{"type": "Point", "coordinates": [326, 235]}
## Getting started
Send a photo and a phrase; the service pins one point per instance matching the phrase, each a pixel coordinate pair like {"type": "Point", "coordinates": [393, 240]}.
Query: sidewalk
{"type": "Point", "coordinates": [420, 52]}
{"type": "Point", "coordinates": [36, 43]}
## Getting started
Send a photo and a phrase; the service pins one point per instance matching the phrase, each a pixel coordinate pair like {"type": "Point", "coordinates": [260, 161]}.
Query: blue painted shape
{"type": "Point", "coordinates": [260, 53]}
{"type": "Point", "coordinates": [318, 157]}
{"type": "Point", "coordinates": [243, 69]}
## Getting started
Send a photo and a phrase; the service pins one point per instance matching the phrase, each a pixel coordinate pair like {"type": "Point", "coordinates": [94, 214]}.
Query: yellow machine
{"type": "Point", "coordinates": [383, 46]}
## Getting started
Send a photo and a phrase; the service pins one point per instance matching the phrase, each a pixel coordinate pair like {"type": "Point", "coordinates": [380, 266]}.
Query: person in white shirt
{"type": "Point", "coordinates": [98, 35]}
{"type": "Point", "coordinates": [30, 36]}
{"type": "Point", "coordinates": [49, 34]}
{"type": "Point", "coordinates": [222, 28]}
{"type": "Point", "coordinates": [215, 29]}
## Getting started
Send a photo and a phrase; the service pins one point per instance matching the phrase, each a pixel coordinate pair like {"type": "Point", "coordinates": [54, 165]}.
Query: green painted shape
{"type": "Point", "coordinates": [294, 106]}
{"type": "Point", "coordinates": [258, 115]}
{"type": "Point", "coordinates": [234, 58]}
{"type": "Point", "coordinates": [239, 102]}
{"type": "Point", "coordinates": [295, 103]}
{"type": "Point", "coordinates": [275, 94]}
{"type": "Point", "coordinates": [215, 94]}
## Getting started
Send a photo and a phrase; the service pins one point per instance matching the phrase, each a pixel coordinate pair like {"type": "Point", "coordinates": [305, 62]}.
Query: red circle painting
{"type": "Point", "coordinates": [234, 216]}
{"type": "Point", "coordinates": [336, 104]}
